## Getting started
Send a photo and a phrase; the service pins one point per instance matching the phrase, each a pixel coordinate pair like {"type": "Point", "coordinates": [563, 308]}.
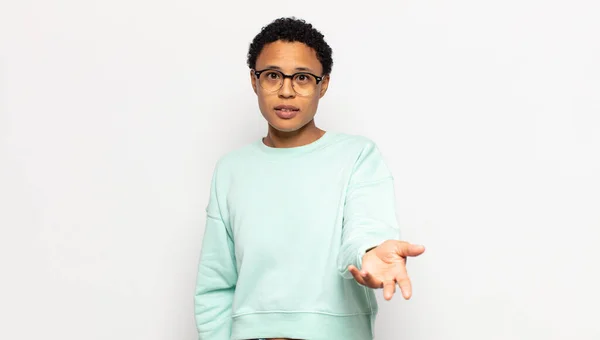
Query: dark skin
{"type": "Point", "coordinates": [383, 266]}
{"type": "Point", "coordinates": [289, 58]}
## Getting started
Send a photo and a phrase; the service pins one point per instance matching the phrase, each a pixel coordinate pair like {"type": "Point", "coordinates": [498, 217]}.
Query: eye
{"type": "Point", "coordinates": [303, 79]}
{"type": "Point", "coordinates": [272, 75]}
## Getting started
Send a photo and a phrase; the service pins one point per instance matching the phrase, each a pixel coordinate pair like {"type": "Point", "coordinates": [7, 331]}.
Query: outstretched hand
{"type": "Point", "coordinates": [385, 265]}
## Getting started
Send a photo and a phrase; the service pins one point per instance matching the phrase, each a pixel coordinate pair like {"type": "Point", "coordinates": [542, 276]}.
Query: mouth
{"type": "Point", "coordinates": [286, 111]}
{"type": "Point", "coordinates": [286, 108]}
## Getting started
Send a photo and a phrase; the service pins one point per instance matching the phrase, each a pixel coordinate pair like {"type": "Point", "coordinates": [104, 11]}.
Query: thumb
{"type": "Point", "coordinates": [407, 249]}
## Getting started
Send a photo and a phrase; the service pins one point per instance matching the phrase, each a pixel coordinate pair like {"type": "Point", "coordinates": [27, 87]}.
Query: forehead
{"type": "Point", "coordinates": [289, 56]}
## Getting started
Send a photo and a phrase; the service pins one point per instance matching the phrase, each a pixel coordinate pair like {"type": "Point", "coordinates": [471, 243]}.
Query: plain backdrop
{"type": "Point", "coordinates": [113, 114]}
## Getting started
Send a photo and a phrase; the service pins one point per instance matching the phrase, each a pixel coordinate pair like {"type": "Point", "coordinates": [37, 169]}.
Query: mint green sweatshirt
{"type": "Point", "coordinates": [282, 227]}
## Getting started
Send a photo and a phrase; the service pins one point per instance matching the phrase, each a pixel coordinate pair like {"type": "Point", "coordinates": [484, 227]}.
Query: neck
{"type": "Point", "coordinates": [289, 139]}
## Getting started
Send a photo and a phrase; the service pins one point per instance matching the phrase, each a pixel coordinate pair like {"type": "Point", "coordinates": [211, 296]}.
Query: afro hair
{"type": "Point", "coordinates": [291, 30]}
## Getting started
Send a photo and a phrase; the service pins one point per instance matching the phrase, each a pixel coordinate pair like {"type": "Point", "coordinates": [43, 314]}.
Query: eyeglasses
{"type": "Point", "coordinates": [304, 83]}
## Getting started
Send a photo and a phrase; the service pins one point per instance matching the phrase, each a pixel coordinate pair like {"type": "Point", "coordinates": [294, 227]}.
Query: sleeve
{"type": "Point", "coordinates": [369, 211]}
{"type": "Point", "coordinates": [217, 275]}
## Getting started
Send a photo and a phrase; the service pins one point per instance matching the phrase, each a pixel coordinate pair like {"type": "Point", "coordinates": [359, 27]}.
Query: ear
{"type": "Point", "coordinates": [253, 81]}
{"type": "Point", "coordinates": [324, 85]}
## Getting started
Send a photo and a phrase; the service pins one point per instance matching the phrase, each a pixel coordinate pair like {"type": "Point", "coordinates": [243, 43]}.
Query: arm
{"type": "Point", "coordinates": [217, 275]}
{"type": "Point", "coordinates": [370, 209]}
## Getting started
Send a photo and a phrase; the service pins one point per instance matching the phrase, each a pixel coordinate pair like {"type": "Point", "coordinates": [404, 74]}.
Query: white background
{"type": "Point", "coordinates": [113, 114]}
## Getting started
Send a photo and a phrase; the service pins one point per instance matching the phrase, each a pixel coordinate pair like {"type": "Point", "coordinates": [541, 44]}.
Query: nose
{"type": "Point", "coordinates": [287, 89]}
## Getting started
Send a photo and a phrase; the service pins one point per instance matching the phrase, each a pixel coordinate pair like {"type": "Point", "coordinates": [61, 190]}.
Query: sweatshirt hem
{"type": "Point", "coordinates": [302, 325]}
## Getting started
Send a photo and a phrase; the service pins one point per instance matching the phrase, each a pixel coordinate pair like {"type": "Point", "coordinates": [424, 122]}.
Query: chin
{"type": "Point", "coordinates": [286, 125]}
{"type": "Point", "coordinates": [286, 128]}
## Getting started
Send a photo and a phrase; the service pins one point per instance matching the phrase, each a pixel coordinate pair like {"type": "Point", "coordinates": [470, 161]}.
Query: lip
{"type": "Point", "coordinates": [286, 111]}
{"type": "Point", "coordinates": [287, 107]}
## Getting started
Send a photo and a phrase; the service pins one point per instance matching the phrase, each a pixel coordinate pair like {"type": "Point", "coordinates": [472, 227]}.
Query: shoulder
{"type": "Point", "coordinates": [235, 158]}
{"type": "Point", "coordinates": [366, 155]}
{"type": "Point", "coordinates": [358, 143]}
{"type": "Point", "coordinates": [369, 165]}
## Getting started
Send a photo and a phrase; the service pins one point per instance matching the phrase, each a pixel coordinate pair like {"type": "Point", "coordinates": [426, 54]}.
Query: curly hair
{"type": "Point", "coordinates": [291, 30]}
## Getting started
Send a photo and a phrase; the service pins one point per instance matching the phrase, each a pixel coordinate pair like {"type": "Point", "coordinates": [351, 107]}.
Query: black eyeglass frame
{"type": "Point", "coordinates": [258, 73]}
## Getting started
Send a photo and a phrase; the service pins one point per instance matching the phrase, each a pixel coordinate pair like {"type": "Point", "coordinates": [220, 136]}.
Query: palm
{"type": "Point", "coordinates": [385, 265]}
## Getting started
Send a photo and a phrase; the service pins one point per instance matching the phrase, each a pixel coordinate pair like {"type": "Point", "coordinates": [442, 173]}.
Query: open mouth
{"type": "Point", "coordinates": [286, 111]}
{"type": "Point", "coordinates": [286, 108]}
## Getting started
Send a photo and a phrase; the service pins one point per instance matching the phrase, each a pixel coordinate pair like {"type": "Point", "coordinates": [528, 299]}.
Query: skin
{"type": "Point", "coordinates": [383, 266]}
{"type": "Point", "coordinates": [289, 57]}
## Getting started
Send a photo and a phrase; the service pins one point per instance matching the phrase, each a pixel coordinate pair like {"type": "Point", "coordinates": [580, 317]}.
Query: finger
{"type": "Point", "coordinates": [407, 249]}
{"type": "Point", "coordinates": [404, 283]}
{"type": "Point", "coordinates": [372, 281]}
{"type": "Point", "coordinates": [357, 275]}
{"type": "Point", "coordinates": [389, 288]}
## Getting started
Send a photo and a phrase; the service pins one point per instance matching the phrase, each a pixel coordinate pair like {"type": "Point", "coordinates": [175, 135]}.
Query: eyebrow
{"type": "Point", "coordinates": [297, 68]}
